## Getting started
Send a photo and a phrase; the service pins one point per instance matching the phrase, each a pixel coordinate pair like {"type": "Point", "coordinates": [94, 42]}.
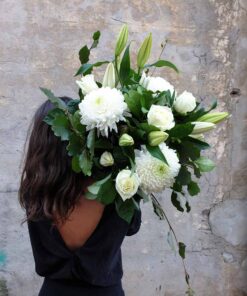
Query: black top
{"type": "Point", "coordinates": [97, 263]}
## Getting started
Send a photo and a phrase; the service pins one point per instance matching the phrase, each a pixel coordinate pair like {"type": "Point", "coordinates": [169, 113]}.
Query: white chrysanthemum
{"type": "Point", "coordinates": [103, 108]}
{"type": "Point", "coordinates": [155, 175]}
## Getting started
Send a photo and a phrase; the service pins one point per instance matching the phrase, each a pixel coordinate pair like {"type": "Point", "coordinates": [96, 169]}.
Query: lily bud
{"type": "Point", "coordinates": [106, 159]}
{"type": "Point", "coordinates": [197, 136]}
{"type": "Point", "coordinates": [126, 140]}
{"type": "Point", "coordinates": [201, 127]}
{"type": "Point", "coordinates": [214, 117]}
{"type": "Point", "coordinates": [121, 40]}
{"type": "Point", "coordinates": [109, 77]}
{"type": "Point", "coordinates": [144, 51]}
{"type": "Point", "coordinates": [157, 137]}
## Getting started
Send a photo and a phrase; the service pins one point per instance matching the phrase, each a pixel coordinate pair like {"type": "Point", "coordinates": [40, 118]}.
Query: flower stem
{"type": "Point", "coordinates": [162, 215]}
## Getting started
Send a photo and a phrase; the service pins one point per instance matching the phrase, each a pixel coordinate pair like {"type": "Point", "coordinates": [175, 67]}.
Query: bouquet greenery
{"type": "Point", "coordinates": [133, 133]}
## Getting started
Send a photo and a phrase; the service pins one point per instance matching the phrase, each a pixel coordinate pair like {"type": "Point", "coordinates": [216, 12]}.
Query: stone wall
{"type": "Point", "coordinates": [207, 40]}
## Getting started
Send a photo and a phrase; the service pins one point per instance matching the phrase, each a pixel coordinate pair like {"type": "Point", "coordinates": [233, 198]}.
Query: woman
{"type": "Point", "coordinates": [76, 242]}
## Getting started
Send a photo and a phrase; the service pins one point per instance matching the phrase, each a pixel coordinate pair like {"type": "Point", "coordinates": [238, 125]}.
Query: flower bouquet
{"type": "Point", "coordinates": [133, 133]}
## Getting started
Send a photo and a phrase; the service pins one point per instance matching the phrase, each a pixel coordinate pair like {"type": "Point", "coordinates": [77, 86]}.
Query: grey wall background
{"type": "Point", "coordinates": [208, 42]}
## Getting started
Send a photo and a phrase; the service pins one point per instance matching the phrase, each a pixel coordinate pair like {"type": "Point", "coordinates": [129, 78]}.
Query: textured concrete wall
{"type": "Point", "coordinates": [208, 42]}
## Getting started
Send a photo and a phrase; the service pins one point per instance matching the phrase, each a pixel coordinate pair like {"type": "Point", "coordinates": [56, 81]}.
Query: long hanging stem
{"type": "Point", "coordinates": [162, 215]}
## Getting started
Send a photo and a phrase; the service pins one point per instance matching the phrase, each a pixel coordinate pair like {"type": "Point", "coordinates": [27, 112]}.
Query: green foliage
{"type": "Point", "coordinates": [75, 145]}
{"type": "Point", "coordinates": [184, 176]}
{"type": "Point", "coordinates": [147, 127]}
{"type": "Point", "coordinates": [87, 68]}
{"type": "Point", "coordinates": [201, 145]}
{"type": "Point", "coordinates": [193, 116]}
{"type": "Point", "coordinates": [86, 162]}
{"type": "Point", "coordinates": [60, 126]}
{"type": "Point", "coordinates": [91, 141]}
{"type": "Point", "coordinates": [125, 209]}
{"type": "Point", "coordinates": [176, 202]}
{"type": "Point", "coordinates": [84, 54]}
{"type": "Point", "coordinates": [125, 66]}
{"type": "Point", "coordinates": [107, 192]}
{"type": "Point", "coordinates": [157, 153]}
{"type": "Point", "coordinates": [76, 124]}
{"type": "Point", "coordinates": [205, 164]}
{"type": "Point", "coordinates": [51, 115]}
{"type": "Point", "coordinates": [163, 63]}
{"type": "Point", "coordinates": [193, 188]}
{"type": "Point", "coordinates": [133, 100]}
{"type": "Point", "coordinates": [189, 150]}
{"type": "Point", "coordinates": [96, 36]}
{"type": "Point", "coordinates": [181, 130]}
{"type": "Point", "coordinates": [73, 106]}
{"type": "Point", "coordinates": [181, 249]}
{"type": "Point", "coordinates": [57, 102]}
{"type": "Point", "coordinates": [75, 164]}
{"type": "Point", "coordinates": [103, 143]}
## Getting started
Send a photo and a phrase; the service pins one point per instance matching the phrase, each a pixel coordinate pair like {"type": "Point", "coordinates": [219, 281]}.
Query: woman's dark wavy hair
{"type": "Point", "coordinates": [48, 184]}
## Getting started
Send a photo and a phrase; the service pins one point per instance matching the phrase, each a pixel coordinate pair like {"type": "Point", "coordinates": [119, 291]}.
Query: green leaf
{"type": "Point", "coordinates": [73, 106]}
{"type": "Point", "coordinates": [60, 127]}
{"type": "Point", "coordinates": [125, 66]}
{"type": "Point", "coordinates": [103, 143]}
{"type": "Point", "coordinates": [133, 100]}
{"type": "Point", "coordinates": [187, 205]}
{"type": "Point", "coordinates": [144, 196]}
{"type": "Point", "coordinates": [177, 187]}
{"type": "Point", "coordinates": [85, 163]}
{"type": "Point", "coordinates": [200, 112]}
{"type": "Point", "coordinates": [91, 141]}
{"type": "Point", "coordinates": [75, 164]}
{"type": "Point", "coordinates": [75, 145]}
{"type": "Point", "coordinates": [205, 164]}
{"type": "Point", "coordinates": [52, 114]}
{"type": "Point", "coordinates": [57, 102]}
{"type": "Point", "coordinates": [84, 54]}
{"type": "Point", "coordinates": [87, 68]}
{"type": "Point", "coordinates": [125, 209]}
{"type": "Point", "coordinates": [157, 153]}
{"type": "Point", "coordinates": [175, 201]}
{"type": "Point", "coordinates": [193, 188]}
{"type": "Point", "coordinates": [181, 249]}
{"type": "Point", "coordinates": [170, 241]}
{"type": "Point", "coordinates": [181, 130]}
{"type": "Point", "coordinates": [198, 143]}
{"type": "Point", "coordinates": [96, 36]}
{"type": "Point", "coordinates": [75, 122]}
{"type": "Point", "coordinates": [94, 188]}
{"type": "Point", "coordinates": [90, 195]}
{"type": "Point", "coordinates": [107, 192]}
{"type": "Point", "coordinates": [184, 176]}
{"type": "Point", "coordinates": [148, 127]}
{"type": "Point", "coordinates": [163, 63]}
{"type": "Point", "coordinates": [190, 150]}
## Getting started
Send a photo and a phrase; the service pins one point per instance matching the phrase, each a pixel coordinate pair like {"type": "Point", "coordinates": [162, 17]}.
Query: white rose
{"type": "Point", "coordinates": [156, 84]}
{"type": "Point", "coordinates": [87, 84]}
{"type": "Point", "coordinates": [127, 185]}
{"type": "Point", "coordinates": [185, 102]}
{"type": "Point", "coordinates": [106, 159]}
{"type": "Point", "coordinates": [161, 117]}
